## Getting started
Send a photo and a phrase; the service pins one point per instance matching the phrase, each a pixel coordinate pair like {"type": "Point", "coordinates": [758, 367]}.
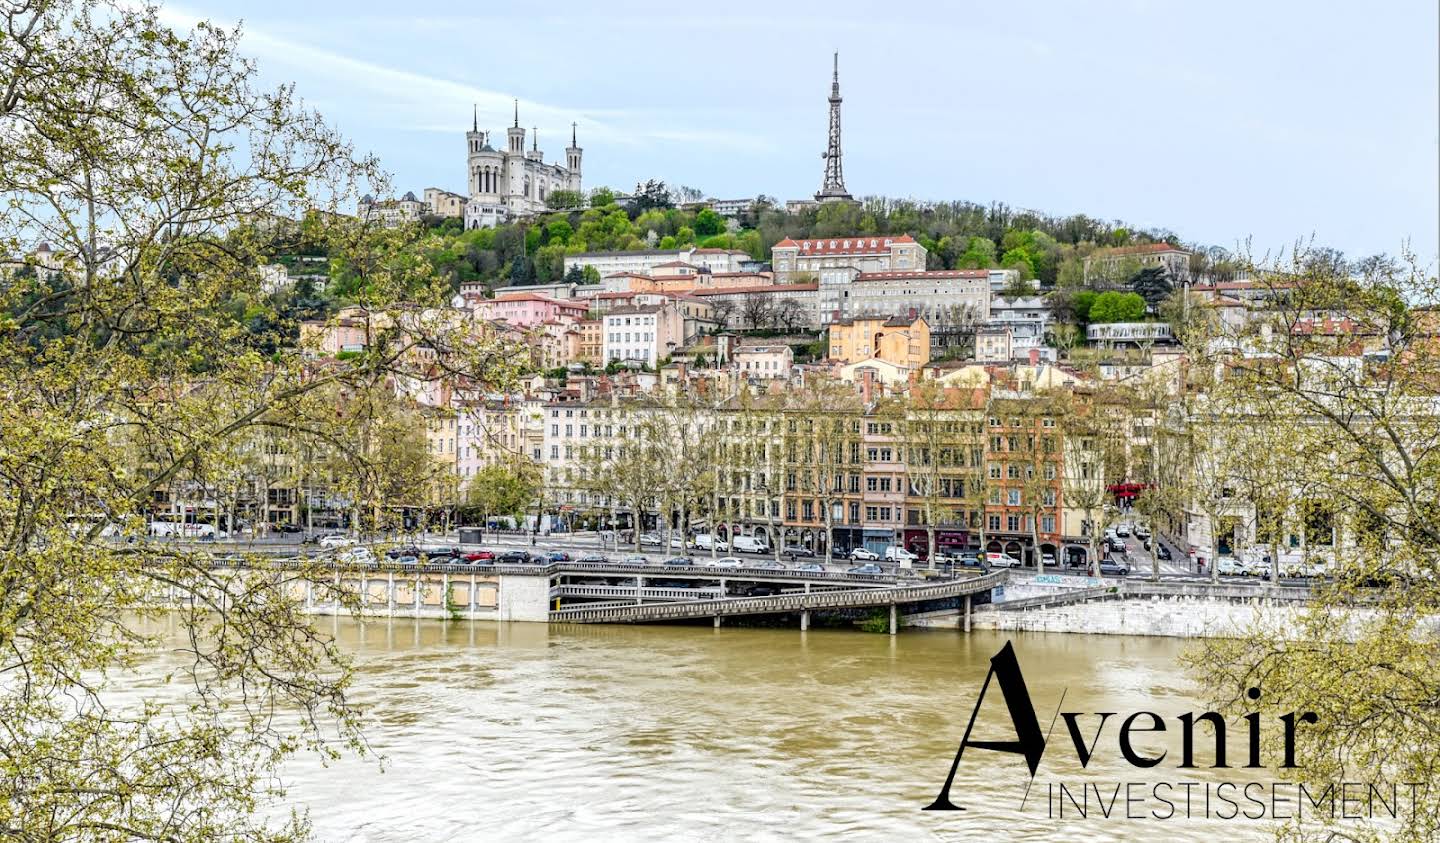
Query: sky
{"type": "Point", "coordinates": [1229, 123]}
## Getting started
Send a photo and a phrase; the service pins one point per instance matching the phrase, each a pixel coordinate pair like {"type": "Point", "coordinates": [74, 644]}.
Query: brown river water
{"type": "Point", "coordinates": [517, 731]}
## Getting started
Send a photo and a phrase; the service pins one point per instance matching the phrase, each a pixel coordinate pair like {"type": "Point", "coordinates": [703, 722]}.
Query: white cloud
{"type": "Point", "coordinates": [395, 98]}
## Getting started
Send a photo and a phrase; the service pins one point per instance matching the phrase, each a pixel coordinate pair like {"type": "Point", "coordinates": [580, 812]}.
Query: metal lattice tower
{"type": "Point", "coordinates": [833, 188]}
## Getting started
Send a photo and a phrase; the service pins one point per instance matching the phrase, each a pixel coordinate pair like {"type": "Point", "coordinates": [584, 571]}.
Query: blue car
{"type": "Point", "coordinates": [865, 569]}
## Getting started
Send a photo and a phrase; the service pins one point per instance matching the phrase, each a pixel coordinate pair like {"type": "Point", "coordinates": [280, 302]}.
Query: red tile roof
{"type": "Point", "coordinates": [845, 245]}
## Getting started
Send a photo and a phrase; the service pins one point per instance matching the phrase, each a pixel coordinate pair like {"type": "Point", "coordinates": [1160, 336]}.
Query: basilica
{"type": "Point", "coordinates": [511, 182]}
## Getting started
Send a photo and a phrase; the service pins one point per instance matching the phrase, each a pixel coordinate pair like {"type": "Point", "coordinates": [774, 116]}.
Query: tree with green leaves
{"type": "Point", "coordinates": [142, 364]}
{"type": "Point", "coordinates": [1112, 306]}
{"type": "Point", "coordinates": [1153, 285]}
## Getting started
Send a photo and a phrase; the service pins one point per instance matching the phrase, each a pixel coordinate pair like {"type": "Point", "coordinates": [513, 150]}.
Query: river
{"type": "Point", "coordinates": [521, 732]}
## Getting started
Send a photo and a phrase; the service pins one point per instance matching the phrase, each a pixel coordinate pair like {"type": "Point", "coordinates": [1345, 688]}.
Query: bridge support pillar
{"type": "Point", "coordinates": [967, 613]}
{"type": "Point", "coordinates": [639, 590]}
{"type": "Point", "coordinates": [717, 621]}
{"type": "Point", "coordinates": [804, 620]}
{"type": "Point", "coordinates": [892, 618]}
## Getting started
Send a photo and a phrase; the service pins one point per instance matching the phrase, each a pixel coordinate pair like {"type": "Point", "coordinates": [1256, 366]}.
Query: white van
{"type": "Point", "coordinates": [895, 553]}
{"type": "Point", "coordinates": [749, 544]}
{"type": "Point", "coordinates": [705, 541]}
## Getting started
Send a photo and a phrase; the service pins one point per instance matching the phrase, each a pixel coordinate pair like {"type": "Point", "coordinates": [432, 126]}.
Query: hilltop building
{"type": "Point", "coordinates": [514, 182]}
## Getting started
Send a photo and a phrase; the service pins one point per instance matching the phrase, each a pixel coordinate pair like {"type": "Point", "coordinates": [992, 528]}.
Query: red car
{"type": "Point", "coordinates": [480, 556]}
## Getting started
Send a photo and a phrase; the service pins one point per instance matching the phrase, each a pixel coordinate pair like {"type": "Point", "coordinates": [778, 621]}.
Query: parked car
{"type": "Point", "coordinates": [407, 559]}
{"type": "Point", "coordinates": [1142, 532]}
{"type": "Point", "coordinates": [1162, 552]}
{"type": "Point", "coordinates": [749, 544]}
{"type": "Point", "coordinates": [557, 556]}
{"type": "Point", "coordinates": [356, 556]}
{"type": "Point", "coordinates": [334, 540]}
{"type": "Point", "coordinates": [1001, 560]}
{"type": "Point", "coordinates": [1122, 530]}
{"type": "Point", "coordinates": [797, 551]}
{"type": "Point", "coordinates": [480, 556]}
{"type": "Point", "coordinates": [635, 559]}
{"type": "Point", "coordinates": [767, 564]}
{"type": "Point", "coordinates": [725, 562]}
{"type": "Point", "coordinates": [650, 539]}
{"type": "Point", "coordinates": [1112, 568]}
{"type": "Point", "coordinates": [513, 557]}
{"type": "Point", "coordinates": [705, 541]}
{"type": "Point", "coordinates": [861, 553]}
{"type": "Point", "coordinates": [593, 559]}
{"type": "Point", "coordinates": [865, 569]}
{"type": "Point", "coordinates": [679, 562]}
{"type": "Point", "coordinates": [810, 568]}
{"type": "Point", "coordinates": [895, 553]}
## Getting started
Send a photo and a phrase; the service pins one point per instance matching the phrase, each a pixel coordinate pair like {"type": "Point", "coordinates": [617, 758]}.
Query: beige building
{"type": "Point", "coordinates": [1176, 261]}
{"type": "Point", "coordinates": [391, 213]}
{"type": "Point", "coordinates": [592, 342]}
{"type": "Point", "coordinates": [796, 259]}
{"type": "Point", "coordinates": [763, 361]}
{"type": "Point", "coordinates": [899, 340]}
{"type": "Point", "coordinates": [942, 296]}
{"type": "Point", "coordinates": [642, 334]}
{"type": "Point", "coordinates": [443, 203]}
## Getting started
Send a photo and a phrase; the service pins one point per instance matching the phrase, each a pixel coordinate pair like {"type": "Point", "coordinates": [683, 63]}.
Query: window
{"type": "Point", "coordinates": [1047, 523]}
{"type": "Point", "coordinates": [1013, 498]}
{"type": "Point", "coordinates": [872, 513]}
{"type": "Point", "coordinates": [1012, 523]}
{"type": "Point", "coordinates": [994, 471]}
{"type": "Point", "coordinates": [872, 484]}
{"type": "Point", "coordinates": [854, 513]}
{"type": "Point", "coordinates": [994, 522]}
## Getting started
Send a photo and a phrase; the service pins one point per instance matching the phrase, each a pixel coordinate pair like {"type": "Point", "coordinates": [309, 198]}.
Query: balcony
{"type": "Point", "coordinates": [1130, 332]}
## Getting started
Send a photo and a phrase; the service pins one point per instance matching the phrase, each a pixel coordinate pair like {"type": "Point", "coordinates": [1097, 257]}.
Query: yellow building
{"type": "Point", "coordinates": [898, 340]}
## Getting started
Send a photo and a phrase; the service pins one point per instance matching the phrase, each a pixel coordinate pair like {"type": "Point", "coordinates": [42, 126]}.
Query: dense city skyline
{"type": "Point", "coordinates": [1250, 125]}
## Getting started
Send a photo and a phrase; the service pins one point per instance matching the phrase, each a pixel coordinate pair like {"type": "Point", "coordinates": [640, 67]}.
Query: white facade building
{"type": "Point", "coordinates": [513, 182]}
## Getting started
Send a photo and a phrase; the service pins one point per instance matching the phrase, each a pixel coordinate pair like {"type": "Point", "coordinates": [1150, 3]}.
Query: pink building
{"type": "Point", "coordinates": [527, 309]}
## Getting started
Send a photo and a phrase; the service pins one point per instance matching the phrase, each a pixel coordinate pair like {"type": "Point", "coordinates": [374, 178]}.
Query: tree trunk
{"type": "Point", "coordinates": [1035, 541]}
{"type": "Point", "coordinates": [930, 540]}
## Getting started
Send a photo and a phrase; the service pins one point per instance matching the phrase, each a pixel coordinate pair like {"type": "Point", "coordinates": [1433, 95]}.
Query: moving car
{"type": "Point", "coordinates": [1142, 532]}
{"type": "Point", "coordinates": [557, 556]}
{"type": "Point", "coordinates": [865, 569]}
{"type": "Point", "coordinates": [634, 559]}
{"type": "Point", "coordinates": [861, 553]}
{"type": "Point", "coordinates": [1122, 530]}
{"type": "Point", "coordinates": [679, 562]}
{"type": "Point", "coordinates": [1229, 566]}
{"type": "Point", "coordinates": [1112, 568]}
{"type": "Point", "coordinates": [810, 568]}
{"type": "Point", "coordinates": [593, 559]}
{"type": "Point", "coordinates": [480, 556]}
{"type": "Point", "coordinates": [725, 562]}
{"type": "Point", "coordinates": [1162, 552]}
{"type": "Point", "coordinates": [970, 561]}
{"type": "Point", "coordinates": [513, 557]}
{"type": "Point", "coordinates": [334, 540]}
{"type": "Point", "coordinates": [797, 551]}
{"type": "Point", "coordinates": [767, 564]}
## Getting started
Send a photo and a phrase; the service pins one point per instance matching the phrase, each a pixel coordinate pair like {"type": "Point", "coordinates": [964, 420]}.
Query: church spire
{"type": "Point", "coordinates": [475, 117]}
{"type": "Point", "coordinates": [534, 138]}
{"type": "Point", "coordinates": [517, 113]}
{"type": "Point", "coordinates": [572, 135]}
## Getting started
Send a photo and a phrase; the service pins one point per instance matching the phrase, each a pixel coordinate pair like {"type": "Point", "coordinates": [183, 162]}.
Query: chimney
{"type": "Point", "coordinates": [1034, 357]}
{"type": "Point", "coordinates": [867, 385]}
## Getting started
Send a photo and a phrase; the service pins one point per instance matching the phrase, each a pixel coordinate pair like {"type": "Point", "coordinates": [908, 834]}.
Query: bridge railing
{"type": "Point", "coordinates": [781, 603]}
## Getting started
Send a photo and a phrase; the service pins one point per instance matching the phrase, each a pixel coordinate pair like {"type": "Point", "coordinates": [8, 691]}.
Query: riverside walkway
{"type": "Point", "coordinates": [786, 603]}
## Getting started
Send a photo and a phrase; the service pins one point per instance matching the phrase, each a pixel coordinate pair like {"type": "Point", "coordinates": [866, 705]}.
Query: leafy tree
{"type": "Point", "coordinates": [650, 194]}
{"type": "Point", "coordinates": [601, 197]}
{"type": "Point", "coordinates": [979, 254]}
{"type": "Point", "coordinates": [503, 489]}
{"type": "Point", "coordinates": [708, 223]}
{"type": "Point", "coordinates": [149, 366]}
{"type": "Point", "coordinates": [559, 230]}
{"type": "Point", "coordinates": [592, 275]}
{"type": "Point", "coordinates": [1112, 306]}
{"type": "Point", "coordinates": [562, 199]}
{"type": "Point", "coordinates": [575, 274]}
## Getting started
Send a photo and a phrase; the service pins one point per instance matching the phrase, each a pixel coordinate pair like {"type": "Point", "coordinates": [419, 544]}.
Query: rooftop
{"type": "Point", "coordinates": [845, 245]}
